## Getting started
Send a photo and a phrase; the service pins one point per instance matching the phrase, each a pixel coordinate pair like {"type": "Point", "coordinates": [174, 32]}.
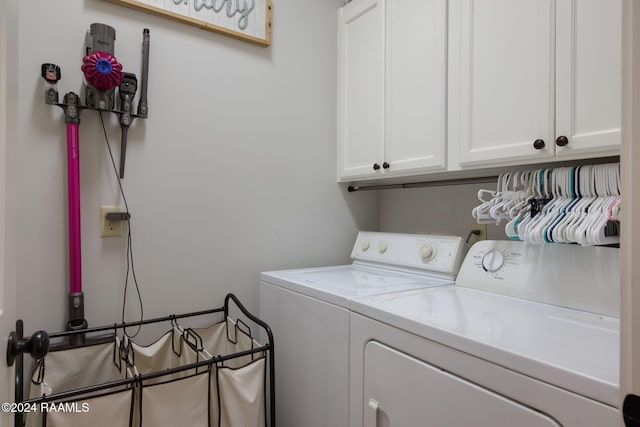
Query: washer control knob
{"type": "Point", "coordinates": [492, 261]}
{"type": "Point", "coordinates": [427, 252]}
{"type": "Point", "coordinates": [365, 246]}
{"type": "Point", "coordinates": [382, 248]}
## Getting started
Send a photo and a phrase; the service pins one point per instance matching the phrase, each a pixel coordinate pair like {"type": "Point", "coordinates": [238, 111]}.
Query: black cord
{"type": "Point", "coordinates": [130, 264]}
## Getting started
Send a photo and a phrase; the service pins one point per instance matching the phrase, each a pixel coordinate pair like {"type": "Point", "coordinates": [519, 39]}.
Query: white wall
{"type": "Point", "coordinates": [233, 173]}
{"type": "Point", "coordinates": [8, 95]}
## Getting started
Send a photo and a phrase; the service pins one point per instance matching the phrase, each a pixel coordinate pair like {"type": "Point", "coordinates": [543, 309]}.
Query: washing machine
{"type": "Point", "coordinates": [308, 311]}
{"type": "Point", "coordinates": [527, 336]}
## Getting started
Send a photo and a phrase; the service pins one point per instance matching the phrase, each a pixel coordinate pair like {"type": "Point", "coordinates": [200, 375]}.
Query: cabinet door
{"type": "Point", "coordinates": [588, 85]}
{"type": "Point", "coordinates": [360, 87]}
{"type": "Point", "coordinates": [502, 73]}
{"type": "Point", "coordinates": [415, 84]}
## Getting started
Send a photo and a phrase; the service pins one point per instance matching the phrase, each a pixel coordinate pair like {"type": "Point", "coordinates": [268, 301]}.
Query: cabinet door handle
{"type": "Point", "coordinates": [371, 414]}
{"type": "Point", "coordinates": [386, 165]}
{"type": "Point", "coordinates": [562, 141]}
{"type": "Point", "coordinates": [376, 166]}
{"type": "Point", "coordinates": [538, 144]}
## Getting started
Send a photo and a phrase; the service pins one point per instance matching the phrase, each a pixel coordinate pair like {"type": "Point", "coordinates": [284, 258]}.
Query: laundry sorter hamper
{"type": "Point", "coordinates": [201, 376]}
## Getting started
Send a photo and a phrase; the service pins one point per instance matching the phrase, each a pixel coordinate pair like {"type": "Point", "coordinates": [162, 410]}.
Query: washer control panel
{"type": "Point", "coordinates": [435, 253]}
{"type": "Point", "coordinates": [492, 261]}
{"type": "Point", "coordinates": [566, 275]}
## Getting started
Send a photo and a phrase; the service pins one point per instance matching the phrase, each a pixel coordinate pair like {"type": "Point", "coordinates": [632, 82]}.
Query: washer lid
{"type": "Point", "coordinates": [574, 350]}
{"type": "Point", "coordinates": [339, 284]}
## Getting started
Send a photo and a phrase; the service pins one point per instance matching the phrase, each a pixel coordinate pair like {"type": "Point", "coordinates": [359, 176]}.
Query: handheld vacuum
{"type": "Point", "coordinates": [103, 74]}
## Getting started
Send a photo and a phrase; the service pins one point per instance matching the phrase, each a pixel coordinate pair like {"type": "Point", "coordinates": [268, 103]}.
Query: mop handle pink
{"type": "Point", "coordinates": [73, 180]}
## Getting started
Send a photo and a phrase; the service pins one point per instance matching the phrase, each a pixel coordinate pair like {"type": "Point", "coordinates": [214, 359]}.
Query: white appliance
{"type": "Point", "coordinates": [308, 311]}
{"type": "Point", "coordinates": [528, 336]}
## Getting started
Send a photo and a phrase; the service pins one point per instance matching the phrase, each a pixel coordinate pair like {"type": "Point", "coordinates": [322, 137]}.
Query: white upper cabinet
{"type": "Point", "coordinates": [503, 64]}
{"type": "Point", "coordinates": [588, 77]}
{"type": "Point", "coordinates": [360, 87]}
{"type": "Point", "coordinates": [443, 85]}
{"type": "Point", "coordinates": [416, 85]}
{"type": "Point", "coordinates": [534, 80]}
{"type": "Point", "coordinates": [391, 88]}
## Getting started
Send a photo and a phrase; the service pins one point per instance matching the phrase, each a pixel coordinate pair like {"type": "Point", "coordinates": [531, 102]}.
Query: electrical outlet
{"type": "Point", "coordinates": [482, 228]}
{"type": "Point", "coordinates": [110, 228]}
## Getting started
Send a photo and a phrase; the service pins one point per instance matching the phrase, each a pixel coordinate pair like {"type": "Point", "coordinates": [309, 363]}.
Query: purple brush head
{"type": "Point", "coordinates": [102, 70]}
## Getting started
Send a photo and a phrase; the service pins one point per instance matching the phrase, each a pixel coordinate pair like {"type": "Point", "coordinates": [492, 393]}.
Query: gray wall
{"type": "Point", "coordinates": [435, 210]}
{"type": "Point", "coordinates": [232, 174]}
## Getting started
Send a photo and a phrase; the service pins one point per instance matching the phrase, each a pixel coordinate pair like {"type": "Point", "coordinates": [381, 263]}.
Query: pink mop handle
{"type": "Point", "coordinates": [73, 180]}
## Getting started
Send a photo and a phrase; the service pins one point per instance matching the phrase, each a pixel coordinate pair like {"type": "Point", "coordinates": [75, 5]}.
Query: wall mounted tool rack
{"type": "Point", "coordinates": [102, 76]}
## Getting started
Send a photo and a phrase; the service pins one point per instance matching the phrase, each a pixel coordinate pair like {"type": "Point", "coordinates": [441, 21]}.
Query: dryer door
{"type": "Point", "coordinates": [402, 391]}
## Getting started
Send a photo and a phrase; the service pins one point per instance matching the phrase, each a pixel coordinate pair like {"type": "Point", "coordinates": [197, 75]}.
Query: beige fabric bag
{"type": "Point", "coordinates": [111, 410]}
{"type": "Point", "coordinates": [241, 394]}
{"type": "Point", "coordinates": [169, 351]}
{"type": "Point", "coordinates": [176, 403]}
{"type": "Point", "coordinates": [74, 368]}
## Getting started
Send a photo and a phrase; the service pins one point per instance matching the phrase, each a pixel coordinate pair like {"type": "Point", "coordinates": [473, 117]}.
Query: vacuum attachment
{"type": "Point", "coordinates": [51, 73]}
{"type": "Point", "coordinates": [127, 92]}
{"type": "Point", "coordinates": [143, 106]}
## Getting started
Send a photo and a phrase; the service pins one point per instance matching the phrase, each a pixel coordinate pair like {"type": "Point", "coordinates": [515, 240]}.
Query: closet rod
{"type": "Point", "coordinates": [456, 181]}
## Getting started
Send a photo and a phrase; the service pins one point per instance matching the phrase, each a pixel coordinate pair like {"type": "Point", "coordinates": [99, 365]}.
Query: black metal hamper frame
{"type": "Point", "coordinates": [38, 346]}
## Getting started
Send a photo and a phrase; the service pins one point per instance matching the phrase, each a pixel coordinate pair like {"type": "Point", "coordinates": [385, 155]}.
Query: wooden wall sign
{"type": "Point", "coordinates": [248, 20]}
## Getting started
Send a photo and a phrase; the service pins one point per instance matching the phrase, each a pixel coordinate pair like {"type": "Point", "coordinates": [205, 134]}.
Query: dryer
{"type": "Point", "coordinates": [528, 335]}
{"type": "Point", "coordinates": [308, 312]}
